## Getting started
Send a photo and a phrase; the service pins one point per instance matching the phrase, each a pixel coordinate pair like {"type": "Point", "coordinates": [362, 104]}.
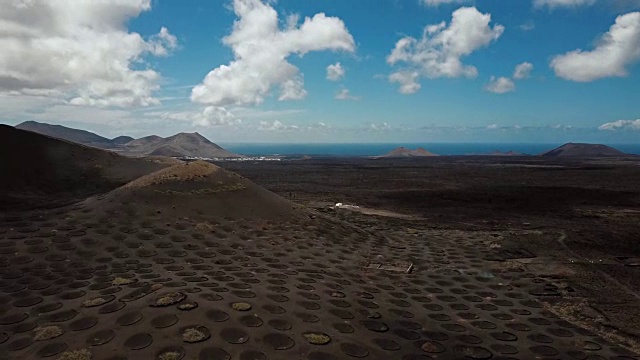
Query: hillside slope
{"type": "Point", "coordinates": [583, 150]}
{"type": "Point", "coordinates": [66, 133]}
{"type": "Point", "coordinates": [38, 170]}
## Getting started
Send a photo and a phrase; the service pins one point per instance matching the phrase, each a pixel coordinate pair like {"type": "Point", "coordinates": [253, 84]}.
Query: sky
{"type": "Point", "coordinates": [326, 71]}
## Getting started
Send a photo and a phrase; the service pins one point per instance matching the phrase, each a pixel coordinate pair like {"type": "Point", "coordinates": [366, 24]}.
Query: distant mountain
{"type": "Point", "coordinates": [503, 153]}
{"type": "Point", "coordinates": [180, 145]}
{"type": "Point", "coordinates": [121, 140]}
{"type": "Point", "coordinates": [404, 152]}
{"type": "Point", "coordinates": [144, 141]}
{"type": "Point", "coordinates": [65, 133]}
{"type": "Point", "coordinates": [583, 150]}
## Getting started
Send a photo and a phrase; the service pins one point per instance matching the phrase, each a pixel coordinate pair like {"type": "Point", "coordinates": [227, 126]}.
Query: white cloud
{"type": "Point", "coordinates": [563, 3]}
{"type": "Point", "coordinates": [208, 117]}
{"type": "Point", "coordinates": [276, 125]}
{"type": "Point", "coordinates": [79, 51]}
{"type": "Point", "coordinates": [621, 125]}
{"type": "Point", "coordinates": [320, 126]}
{"type": "Point", "coordinates": [19, 107]}
{"type": "Point", "coordinates": [523, 71]}
{"type": "Point", "coordinates": [500, 85]}
{"type": "Point", "coordinates": [345, 94]}
{"type": "Point", "coordinates": [162, 42]}
{"type": "Point", "coordinates": [258, 113]}
{"type": "Point", "coordinates": [112, 118]}
{"type": "Point", "coordinates": [335, 72]}
{"type": "Point", "coordinates": [379, 127]}
{"type": "Point", "coordinates": [614, 52]}
{"type": "Point", "coordinates": [440, 50]}
{"type": "Point", "coordinates": [503, 85]}
{"type": "Point", "coordinates": [408, 81]}
{"type": "Point", "coordinates": [440, 2]}
{"type": "Point", "coordinates": [261, 50]}
{"type": "Point", "coordinates": [528, 26]}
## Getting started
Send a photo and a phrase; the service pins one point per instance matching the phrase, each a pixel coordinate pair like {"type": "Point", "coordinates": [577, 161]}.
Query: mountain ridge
{"type": "Point", "coordinates": [179, 145]}
{"type": "Point", "coordinates": [65, 133]}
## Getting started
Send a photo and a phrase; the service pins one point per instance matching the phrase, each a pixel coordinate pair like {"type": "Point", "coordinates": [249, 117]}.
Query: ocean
{"type": "Point", "coordinates": [347, 150]}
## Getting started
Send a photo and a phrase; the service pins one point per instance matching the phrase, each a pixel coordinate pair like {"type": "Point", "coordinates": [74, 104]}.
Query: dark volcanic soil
{"type": "Point", "coordinates": [194, 262]}
{"type": "Point", "coordinates": [470, 188]}
{"type": "Point", "coordinates": [576, 220]}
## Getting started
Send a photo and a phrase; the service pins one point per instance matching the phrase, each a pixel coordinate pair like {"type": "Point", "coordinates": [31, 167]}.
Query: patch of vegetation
{"type": "Point", "coordinates": [170, 355]}
{"type": "Point", "coordinates": [317, 338]}
{"type": "Point", "coordinates": [169, 299]}
{"type": "Point", "coordinates": [47, 332]}
{"type": "Point", "coordinates": [188, 306]}
{"type": "Point", "coordinates": [94, 302]}
{"type": "Point", "coordinates": [192, 335]}
{"type": "Point", "coordinates": [241, 306]}
{"type": "Point", "coordinates": [509, 266]}
{"type": "Point", "coordinates": [205, 228]}
{"type": "Point", "coordinates": [82, 354]}
{"type": "Point", "coordinates": [122, 281]}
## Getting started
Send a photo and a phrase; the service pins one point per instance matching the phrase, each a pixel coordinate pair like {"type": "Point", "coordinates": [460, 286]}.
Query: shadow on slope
{"type": "Point", "coordinates": [41, 171]}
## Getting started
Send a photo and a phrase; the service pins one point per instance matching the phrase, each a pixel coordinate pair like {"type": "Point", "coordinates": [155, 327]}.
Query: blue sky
{"type": "Point", "coordinates": [222, 69]}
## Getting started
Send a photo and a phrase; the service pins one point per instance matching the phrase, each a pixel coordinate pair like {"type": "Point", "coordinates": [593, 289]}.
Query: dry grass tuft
{"type": "Point", "coordinates": [94, 302]}
{"type": "Point", "coordinates": [205, 228]}
{"type": "Point", "coordinates": [170, 355]}
{"type": "Point", "coordinates": [192, 335]}
{"type": "Point", "coordinates": [241, 306]}
{"type": "Point", "coordinates": [82, 354]}
{"type": "Point", "coordinates": [47, 332]}
{"type": "Point", "coordinates": [169, 299]}
{"type": "Point", "coordinates": [122, 281]}
{"type": "Point", "coordinates": [509, 266]}
{"type": "Point", "coordinates": [317, 339]}
{"type": "Point", "coordinates": [188, 306]}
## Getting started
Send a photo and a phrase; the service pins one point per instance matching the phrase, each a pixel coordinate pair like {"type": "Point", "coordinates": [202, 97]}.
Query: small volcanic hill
{"type": "Point", "coordinates": [121, 140]}
{"type": "Point", "coordinates": [38, 169]}
{"type": "Point", "coordinates": [65, 133]}
{"type": "Point", "coordinates": [179, 145]}
{"type": "Point", "coordinates": [402, 152]}
{"type": "Point", "coordinates": [583, 150]}
{"type": "Point", "coordinates": [193, 188]}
